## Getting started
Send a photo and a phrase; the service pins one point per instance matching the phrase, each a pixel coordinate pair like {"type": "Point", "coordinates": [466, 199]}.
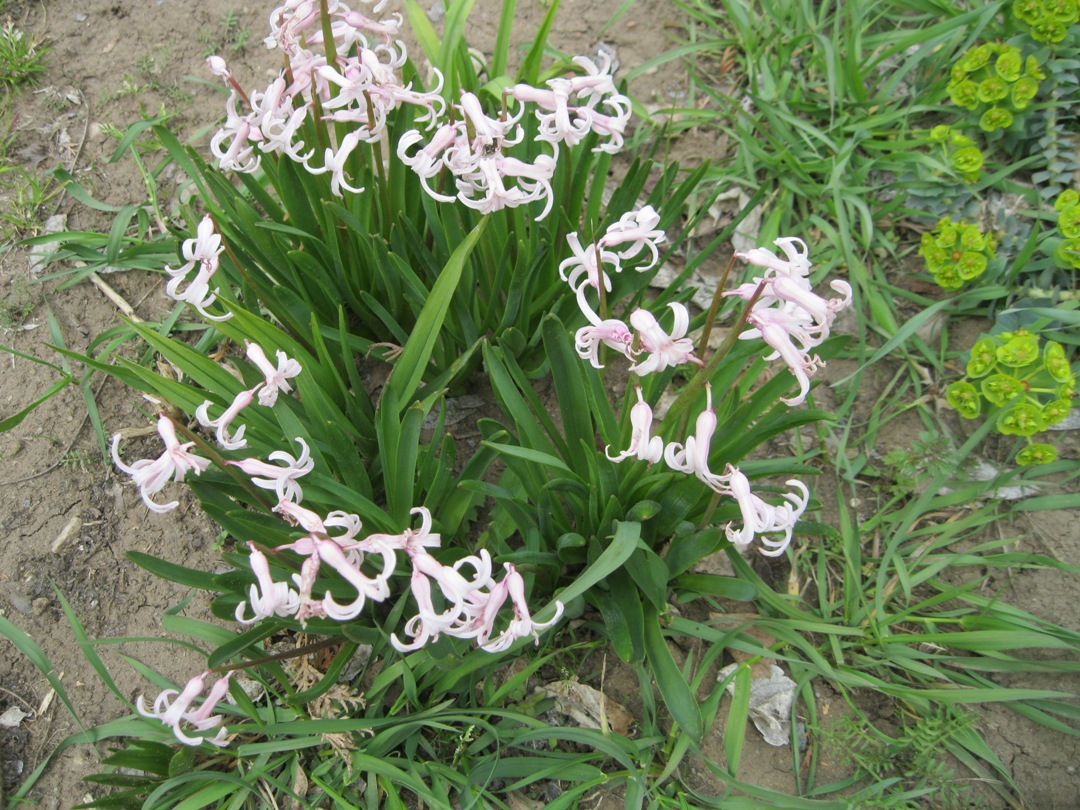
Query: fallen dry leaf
{"type": "Point", "coordinates": [589, 707]}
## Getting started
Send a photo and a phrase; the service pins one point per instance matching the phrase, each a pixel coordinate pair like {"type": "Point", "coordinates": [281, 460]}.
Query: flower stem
{"type": "Point", "coordinates": [714, 308]}
{"type": "Point", "coordinates": [682, 402]}
{"type": "Point", "coordinates": [217, 458]}
{"type": "Point", "coordinates": [307, 649]}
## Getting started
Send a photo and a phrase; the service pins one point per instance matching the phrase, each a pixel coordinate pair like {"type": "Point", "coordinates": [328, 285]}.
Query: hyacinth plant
{"type": "Point", "coordinates": [349, 221]}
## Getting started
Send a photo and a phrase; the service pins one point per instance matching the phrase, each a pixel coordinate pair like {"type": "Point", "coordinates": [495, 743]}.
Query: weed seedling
{"type": "Point", "coordinates": [22, 57]}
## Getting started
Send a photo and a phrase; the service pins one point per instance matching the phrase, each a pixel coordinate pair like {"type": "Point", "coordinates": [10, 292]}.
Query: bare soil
{"type": "Point", "coordinates": [69, 519]}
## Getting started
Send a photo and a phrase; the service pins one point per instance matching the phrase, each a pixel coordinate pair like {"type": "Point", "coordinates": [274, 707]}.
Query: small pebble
{"type": "Point", "coordinates": [20, 603]}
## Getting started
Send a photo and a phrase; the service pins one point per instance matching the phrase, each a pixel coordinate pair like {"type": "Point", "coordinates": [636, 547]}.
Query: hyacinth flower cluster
{"type": "Point", "coordinates": [468, 606]}
{"type": "Point", "coordinates": [463, 599]}
{"type": "Point", "coordinates": [784, 312]}
{"type": "Point", "coordinates": [1029, 380]}
{"type": "Point", "coordinates": [956, 252]}
{"type": "Point", "coordinates": [354, 82]}
{"type": "Point", "coordinates": [995, 81]}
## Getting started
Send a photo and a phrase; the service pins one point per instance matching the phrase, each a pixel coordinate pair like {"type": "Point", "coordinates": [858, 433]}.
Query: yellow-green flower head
{"type": "Point", "coordinates": [983, 358]}
{"type": "Point", "coordinates": [964, 93]}
{"type": "Point", "coordinates": [1022, 419]}
{"type": "Point", "coordinates": [1047, 30]}
{"type": "Point", "coordinates": [994, 119]}
{"type": "Point", "coordinates": [1057, 364]}
{"type": "Point", "coordinates": [1064, 11]}
{"type": "Point", "coordinates": [1021, 349]}
{"type": "Point", "coordinates": [940, 133]}
{"type": "Point", "coordinates": [955, 252]}
{"type": "Point", "coordinates": [1067, 253]}
{"type": "Point", "coordinates": [1028, 11]}
{"type": "Point", "coordinates": [1034, 69]}
{"type": "Point", "coordinates": [1008, 65]}
{"type": "Point", "coordinates": [1069, 222]}
{"type": "Point", "coordinates": [1056, 410]}
{"type": "Point", "coordinates": [967, 160]}
{"type": "Point", "coordinates": [1023, 92]}
{"type": "Point", "coordinates": [971, 265]}
{"type": "Point", "coordinates": [977, 57]}
{"type": "Point", "coordinates": [1036, 454]}
{"type": "Point", "coordinates": [1001, 388]}
{"type": "Point", "coordinates": [1067, 199]}
{"type": "Point", "coordinates": [964, 399]}
{"type": "Point", "coordinates": [993, 88]}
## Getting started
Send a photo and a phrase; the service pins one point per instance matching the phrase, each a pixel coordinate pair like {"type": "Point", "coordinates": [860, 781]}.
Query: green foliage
{"type": "Point", "coordinates": [24, 194]}
{"type": "Point", "coordinates": [22, 57]}
{"type": "Point", "coordinates": [838, 96]}
{"type": "Point", "coordinates": [914, 760]}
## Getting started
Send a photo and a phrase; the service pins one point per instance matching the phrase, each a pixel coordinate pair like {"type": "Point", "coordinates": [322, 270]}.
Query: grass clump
{"type": "Point", "coordinates": [23, 57]}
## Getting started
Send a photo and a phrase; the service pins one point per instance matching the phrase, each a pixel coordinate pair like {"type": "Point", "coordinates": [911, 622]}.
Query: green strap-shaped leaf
{"type": "Point", "coordinates": [410, 366]}
{"type": "Point", "coordinates": [735, 729]}
{"type": "Point", "coordinates": [16, 418]}
{"type": "Point", "coordinates": [191, 577]}
{"type": "Point", "coordinates": [669, 680]}
{"type": "Point", "coordinates": [618, 552]}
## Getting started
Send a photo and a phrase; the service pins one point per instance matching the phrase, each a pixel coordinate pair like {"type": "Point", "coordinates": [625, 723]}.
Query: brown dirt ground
{"type": "Point", "coordinates": [68, 519]}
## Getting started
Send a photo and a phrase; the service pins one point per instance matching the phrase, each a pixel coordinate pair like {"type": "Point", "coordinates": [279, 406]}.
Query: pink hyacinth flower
{"type": "Point", "coordinates": [151, 476]}
{"type": "Point", "coordinates": [222, 424]}
{"type": "Point", "coordinates": [276, 377]}
{"type": "Point", "coordinates": [173, 707]}
{"type": "Point", "coordinates": [637, 231]}
{"type": "Point", "coordinates": [761, 518]}
{"type": "Point", "coordinates": [663, 349]}
{"type": "Point", "coordinates": [693, 457]}
{"type": "Point", "coordinates": [642, 445]}
{"type": "Point", "coordinates": [267, 598]}
{"type": "Point", "coordinates": [522, 625]}
{"type": "Point", "coordinates": [280, 479]}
